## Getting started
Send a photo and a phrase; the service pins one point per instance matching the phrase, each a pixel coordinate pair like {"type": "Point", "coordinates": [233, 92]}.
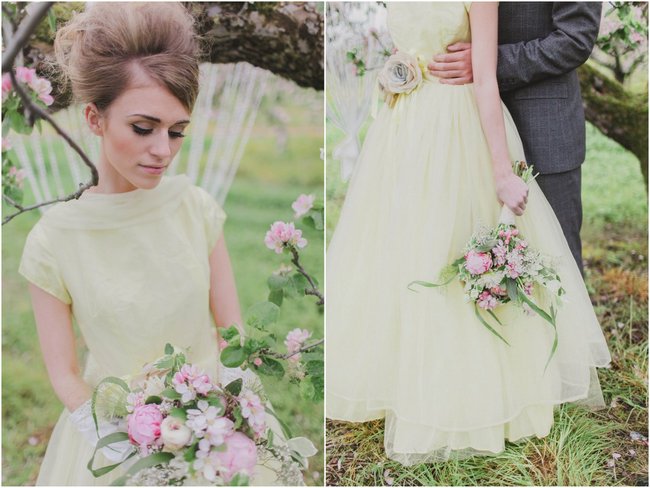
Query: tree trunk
{"type": "Point", "coordinates": [287, 38]}
{"type": "Point", "coordinates": [617, 113]}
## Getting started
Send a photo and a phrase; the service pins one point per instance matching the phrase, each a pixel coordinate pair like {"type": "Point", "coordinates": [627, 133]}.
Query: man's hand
{"type": "Point", "coordinates": [455, 67]}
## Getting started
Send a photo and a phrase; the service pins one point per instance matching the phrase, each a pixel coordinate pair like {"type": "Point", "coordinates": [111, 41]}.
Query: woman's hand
{"type": "Point", "coordinates": [512, 192]}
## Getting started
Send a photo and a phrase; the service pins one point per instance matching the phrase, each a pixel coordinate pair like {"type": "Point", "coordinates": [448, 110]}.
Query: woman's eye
{"type": "Point", "coordinates": [176, 135]}
{"type": "Point", "coordinates": [141, 130]}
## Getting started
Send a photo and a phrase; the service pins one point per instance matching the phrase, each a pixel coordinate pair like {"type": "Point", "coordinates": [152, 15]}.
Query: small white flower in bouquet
{"type": "Point", "coordinates": [499, 267]}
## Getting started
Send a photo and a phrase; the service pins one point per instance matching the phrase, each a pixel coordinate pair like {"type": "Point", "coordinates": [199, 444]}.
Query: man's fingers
{"type": "Point", "coordinates": [445, 66]}
{"type": "Point", "coordinates": [449, 57]}
{"type": "Point", "coordinates": [448, 74]}
{"type": "Point", "coordinates": [459, 46]}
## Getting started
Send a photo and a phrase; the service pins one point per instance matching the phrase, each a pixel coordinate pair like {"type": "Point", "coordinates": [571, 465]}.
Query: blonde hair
{"type": "Point", "coordinates": [96, 50]}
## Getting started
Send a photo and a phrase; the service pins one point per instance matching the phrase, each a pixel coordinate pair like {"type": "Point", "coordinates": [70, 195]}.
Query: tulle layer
{"type": "Point", "coordinates": [447, 387]}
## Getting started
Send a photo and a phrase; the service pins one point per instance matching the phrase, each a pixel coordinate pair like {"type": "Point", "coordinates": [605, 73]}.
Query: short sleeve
{"type": "Point", "coordinates": [40, 267]}
{"type": "Point", "coordinates": [212, 216]}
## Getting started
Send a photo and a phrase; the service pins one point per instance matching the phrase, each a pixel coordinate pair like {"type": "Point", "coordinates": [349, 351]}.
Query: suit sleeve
{"type": "Point", "coordinates": [566, 47]}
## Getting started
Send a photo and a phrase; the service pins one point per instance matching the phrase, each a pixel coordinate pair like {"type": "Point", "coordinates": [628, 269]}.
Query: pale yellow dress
{"type": "Point", "coordinates": [422, 185]}
{"type": "Point", "coordinates": [134, 267]}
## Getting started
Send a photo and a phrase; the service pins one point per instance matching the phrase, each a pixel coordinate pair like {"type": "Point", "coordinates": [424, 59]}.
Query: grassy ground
{"type": "Point", "coordinates": [607, 447]}
{"type": "Point", "coordinates": [268, 181]}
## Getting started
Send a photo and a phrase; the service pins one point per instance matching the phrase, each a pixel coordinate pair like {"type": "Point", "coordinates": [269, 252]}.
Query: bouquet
{"type": "Point", "coordinates": [183, 428]}
{"type": "Point", "coordinates": [498, 267]}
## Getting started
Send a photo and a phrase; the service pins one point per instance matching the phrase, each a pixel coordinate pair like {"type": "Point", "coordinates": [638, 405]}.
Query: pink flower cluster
{"type": "Point", "coordinates": [253, 411]}
{"type": "Point", "coordinates": [283, 234]}
{"type": "Point", "coordinates": [191, 380]}
{"type": "Point", "coordinates": [294, 341]}
{"type": "Point", "coordinates": [477, 262]}
{"type": "Point", "coordinates": [487, 301]}
{"type": "Point", "coordinates": [302, 205]}
{"type": "Point", "coordinates": [40, 86]}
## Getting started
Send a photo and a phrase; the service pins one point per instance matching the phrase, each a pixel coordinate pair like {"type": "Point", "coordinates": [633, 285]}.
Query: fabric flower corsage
{"type": "Point", "coordinates": [402, 73]}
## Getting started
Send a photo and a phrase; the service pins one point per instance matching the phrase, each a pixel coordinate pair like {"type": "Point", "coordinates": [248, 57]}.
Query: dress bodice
{"type": "Point", "coordinates": [427, 28]}
{"type": "Point", "coordinates": [134, 268]}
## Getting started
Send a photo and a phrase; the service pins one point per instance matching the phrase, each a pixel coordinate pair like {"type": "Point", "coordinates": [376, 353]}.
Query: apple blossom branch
{"type": "Point", "coordinates": [308, 291]}
{"type": "Point", "coordinates": [25, 30]}
{"type": "Point", "coordinates": [34, 112]}
{"type": "Point", "coordinates": [302, 349]}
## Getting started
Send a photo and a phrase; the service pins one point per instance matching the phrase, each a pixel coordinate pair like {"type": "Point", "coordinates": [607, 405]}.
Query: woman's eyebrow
{"type": "Point", "coordinates": [156, 119]}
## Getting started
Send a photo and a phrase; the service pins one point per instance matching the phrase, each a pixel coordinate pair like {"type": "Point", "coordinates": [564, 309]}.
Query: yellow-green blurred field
{"type": "Point", "coordinates": [268, 181]}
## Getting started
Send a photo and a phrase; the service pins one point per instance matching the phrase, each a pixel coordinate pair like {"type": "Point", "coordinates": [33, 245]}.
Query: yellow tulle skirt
{"type": "Point", "coordinates": [446, 386]}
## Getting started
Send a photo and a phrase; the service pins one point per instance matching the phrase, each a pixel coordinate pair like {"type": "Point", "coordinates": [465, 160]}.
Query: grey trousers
{"type": "Point", "coordinates": [562, 190]}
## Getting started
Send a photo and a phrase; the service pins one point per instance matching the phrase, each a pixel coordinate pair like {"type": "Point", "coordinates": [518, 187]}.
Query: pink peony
{"type": "Point", "coordinates": [144, 424]}
{"type": "Point", "coordinates": [240, 456]}
{"type": "Point", "coordinates": [6, 85]}
{"type": "Point", "coordinates": [477, 262]}
{"type": "Point", "coordinates": [284, 234]}
{"type": "Point", "coordinates": [302, 205]}
{"type": "Point", "coordinates": [486, 301]}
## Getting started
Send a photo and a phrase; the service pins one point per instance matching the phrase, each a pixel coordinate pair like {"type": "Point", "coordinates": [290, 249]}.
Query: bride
{"type": "Point", "coordinates": [140, 259]}
{"type": "Point", "coordinates": [437, 163]}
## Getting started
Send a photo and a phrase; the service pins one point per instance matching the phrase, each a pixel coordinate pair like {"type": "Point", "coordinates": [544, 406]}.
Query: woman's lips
{"type": "Point", "coordinates": [153, 170]}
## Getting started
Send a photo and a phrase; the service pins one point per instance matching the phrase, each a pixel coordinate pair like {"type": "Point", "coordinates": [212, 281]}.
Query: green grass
{"type": "Point", "coordinates": [581, 442]}
{"type": "Point", "coordinates": [268, 181]}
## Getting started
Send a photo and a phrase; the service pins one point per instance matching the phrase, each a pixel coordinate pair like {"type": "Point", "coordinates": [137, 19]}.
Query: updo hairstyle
{"type": "Point", "coordinates": [97, 49]}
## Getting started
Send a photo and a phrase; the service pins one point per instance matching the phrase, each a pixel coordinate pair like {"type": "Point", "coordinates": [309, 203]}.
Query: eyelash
{"type": "Point", "coordinates": [145, 132]}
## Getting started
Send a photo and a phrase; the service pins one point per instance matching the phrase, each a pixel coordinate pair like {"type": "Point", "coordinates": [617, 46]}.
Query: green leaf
{"type": "Point", "coordinates": [549, 318]}
{"type": "Point", "coordinates": [155, 459]}
{"type": "Point", "coordinates": [153, 399]}
{"type": "Point", "coordinates": [234, 387]}
{"type": "Point", "coordinates": [307, 389]}
{"type": "Point", "coordinates": [169, 349]}
{"type": "Point", "coordinates": [271, 367]}
{"type": "Point", "coordinates": [239, 420]}
{"type": "Point", "coordinates": [178, 413]}
{"type": "Point", "coordinates": [300, 284]}
{"type": "Point", "coordinates": [488, 326]}
{"type": "Point", "coordinates": [190, 453]}
{"type": "Point", "coordinates": [164, 363]}
{"type": "Point", "coordinates": [51, 20]}
{"type": "Point", "coordinates": [233, 356]}
{"type": "Point", "coordinates": [215, 401]}
{"type": "Point", "coordinates": [277, 282]}
{"type": "Point", "coordinates": [285, 428]}
{"type": "Point", "coordinates": [277, 297]}
{"type": "Point", "coordinates": [238, 480]}
{"type": "Point", "coordinates": [513, 289]}
{"type": "Point", "coordinates": [229, 333]}
{"type": "Point", "coordinates": [171, 394]}
{"type": "Point", "coordinates": [262, 314]}
{"type": "Point", "coordinates": [103, 442]}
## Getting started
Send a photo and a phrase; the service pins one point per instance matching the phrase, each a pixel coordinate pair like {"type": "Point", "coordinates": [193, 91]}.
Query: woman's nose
{"type": "Point", "coordinates": [161, 146]}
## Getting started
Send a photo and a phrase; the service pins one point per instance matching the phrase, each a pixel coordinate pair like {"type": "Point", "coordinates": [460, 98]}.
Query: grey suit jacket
{"type": "Point", "coordinates": [540, 46]}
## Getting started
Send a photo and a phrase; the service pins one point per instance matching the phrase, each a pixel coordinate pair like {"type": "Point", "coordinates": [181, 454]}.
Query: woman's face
{"type": "Point", "coordinates": [142, 130]}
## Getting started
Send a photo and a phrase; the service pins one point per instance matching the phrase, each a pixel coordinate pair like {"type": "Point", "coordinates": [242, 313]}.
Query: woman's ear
{"type": "Point", "coordinates": [94, 119]}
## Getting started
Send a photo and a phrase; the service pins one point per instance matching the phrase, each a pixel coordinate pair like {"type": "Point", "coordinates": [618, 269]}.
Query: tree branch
{"type": "Point", "coordinates": [21, 37]}
{"type": "Point", "coordinates": [308, 291]}
{"type": "Point", "coordinates": [302, 349]}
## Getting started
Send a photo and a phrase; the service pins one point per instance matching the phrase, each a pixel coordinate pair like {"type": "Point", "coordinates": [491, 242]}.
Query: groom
{"type": "Point", "coordinates": [541, 44]}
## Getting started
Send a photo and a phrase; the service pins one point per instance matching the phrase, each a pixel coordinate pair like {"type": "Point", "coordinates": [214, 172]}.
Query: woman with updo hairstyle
{"type": "Point", "coordinates": [139, 260]}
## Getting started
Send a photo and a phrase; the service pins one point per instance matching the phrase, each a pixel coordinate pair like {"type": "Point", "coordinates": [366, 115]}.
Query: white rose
{"type": "Point", "coordinates": [174, 433]}
{"type": "Point", "coordinates": [400, 74]}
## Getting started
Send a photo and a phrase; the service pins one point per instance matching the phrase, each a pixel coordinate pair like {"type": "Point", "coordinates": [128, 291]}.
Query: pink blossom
{"type": "Point", "coordinates": [253, 411]}
{"type": "Point", "coordinates": [486, 301]}
{"type": "Point", "coordinates": [500, 252]}
{"type": "Point", "coordinates": [477, 262]}
{"type": "Point", "coordinates": [257, 362]}
{"type": "Point", "coordinates": [202, 384]}
{"type": "Point", "coordinates": [144, 424]}
{"type": "Point", "coordinates": [284, 234]}
{"type": "Point", "coordinates": [513, 270]}
{"type": "Point", "coordinates": [302, 205]}
{"type": "Point", "coordinates": [528, 288]}
{"type": "Point", "coordinates": [25, 75]}
{"type": "Point", "coordinates": [6, 85]}
{"type": "Point", "coordinates": [43, 88]}
{"type": "Point", "coordinates": [240, 456]}
{"type": "Point", "coordinates": [294, 341]}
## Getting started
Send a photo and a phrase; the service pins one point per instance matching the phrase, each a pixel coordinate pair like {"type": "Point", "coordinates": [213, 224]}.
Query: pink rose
{"type": "Point", "coordinates": [144, 424]}
{"type": "Point", "coordinates": [302, 205]}
{"type": "Point", "coordinates": [477, 262]}
{"type": "Point", "coordinates": [240, 456]}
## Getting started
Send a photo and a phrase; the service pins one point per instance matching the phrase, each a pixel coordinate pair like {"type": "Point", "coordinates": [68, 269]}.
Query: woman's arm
{"type": "Point", "coordinates": [224, 302]}
{"type": "Point", "coordinates": [511, 190]}
{"type": "Point", "coordinates": [54, 325]}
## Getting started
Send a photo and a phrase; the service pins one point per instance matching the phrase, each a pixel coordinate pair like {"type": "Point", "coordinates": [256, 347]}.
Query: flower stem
{"type": "Point", "coordinates": [308, 291]}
